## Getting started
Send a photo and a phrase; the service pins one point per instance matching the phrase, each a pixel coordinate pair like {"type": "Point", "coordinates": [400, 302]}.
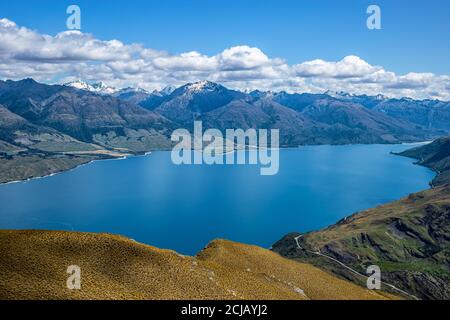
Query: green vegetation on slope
{"type": "Point", "coordinates": [408, 239]}
{"type": "Point", "coordinates": [435, 156]}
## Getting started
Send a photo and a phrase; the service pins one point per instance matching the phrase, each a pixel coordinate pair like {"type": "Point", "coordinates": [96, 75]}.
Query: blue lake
{"type": "Point", "coordinates": [184, 207]}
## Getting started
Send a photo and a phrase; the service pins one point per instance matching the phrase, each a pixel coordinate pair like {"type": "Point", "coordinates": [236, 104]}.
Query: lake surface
{"type": "Point", "coordinates": [151, 200]}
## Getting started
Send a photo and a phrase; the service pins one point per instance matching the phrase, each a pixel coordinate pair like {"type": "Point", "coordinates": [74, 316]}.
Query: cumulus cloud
{"type": "Point", "coordinates": [188, 61]}
{"type": "Point", "coordinates": [23, 44]}
{"type": "Point", "coordinates": [242, 58]}
{"type": "Point", "coordinates": [73, 55]}
{"type": "Point", "coordinates": [349, 67]}
{"type": "Point", "coordinates": [412, 81]}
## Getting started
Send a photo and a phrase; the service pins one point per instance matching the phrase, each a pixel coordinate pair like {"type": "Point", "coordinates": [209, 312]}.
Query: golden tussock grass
{"type": "Point", "coordinates": [33, 265]}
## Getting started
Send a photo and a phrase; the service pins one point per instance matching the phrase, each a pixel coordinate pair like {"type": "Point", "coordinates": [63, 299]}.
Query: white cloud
{"type": "Point", "coordinates": [188, 61]}
{"type": "Point", "coordinates": [72, 54]}
{"type": "Point", "coordinates": [349, 67]}
{"type": "Point", "coordinates": [242, 58]}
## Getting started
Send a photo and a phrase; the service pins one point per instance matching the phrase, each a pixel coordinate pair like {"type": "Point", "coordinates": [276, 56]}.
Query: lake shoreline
{"type": "Point", "coordinates": [25, 180]}
{"type": "Point", "coordinates": [139, 183]}
{"type": "Point", "coordinates": [124, 157]}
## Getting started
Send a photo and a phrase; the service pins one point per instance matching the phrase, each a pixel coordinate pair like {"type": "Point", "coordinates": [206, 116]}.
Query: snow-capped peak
{"type": "Point", "coordinates": [201, 86]}
{"type": "Point", "coordinates": [78, 85]}
{"type": "Point", "coordinates": [103, 88]}
{"type": "Point", "coordinates": [97, 87]}
{"type": "Point", "coordinates": [338, 94]}
{"type": "Point", "coordinates": [131, 90]}
{"type": "Point", "coordinates": [167, 90]}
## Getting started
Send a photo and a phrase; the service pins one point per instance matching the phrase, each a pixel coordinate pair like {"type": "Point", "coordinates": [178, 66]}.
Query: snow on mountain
{"type": "Point", "coordinates": [103, 88]}
{"type": "Point", "coordinates": [130, 90]}
{"type": "Point", "coordinates": [167, 90]}
{"type": "Point", "coordinates": [201, 86]}
{"type": "Point", "coordinates": [342, 95]}
{"type": "Point", "coordinates": [78, 85]}
{"type": "Point", "coordinates": [338, 94]}
{"type": "Point", "coordinates": [97, 87]}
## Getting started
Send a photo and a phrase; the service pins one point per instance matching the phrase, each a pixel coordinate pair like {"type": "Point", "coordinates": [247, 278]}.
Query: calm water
{"type": "Point", "coordinates": [184, 207]}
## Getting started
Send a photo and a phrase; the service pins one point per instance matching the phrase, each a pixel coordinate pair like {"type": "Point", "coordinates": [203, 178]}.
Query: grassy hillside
{"type": "Point", "coordinates": [33, 265]}
{"type": "Point", "coordinates": [408, 239]}
{"type": "Point", "coordinates": [435, 156]}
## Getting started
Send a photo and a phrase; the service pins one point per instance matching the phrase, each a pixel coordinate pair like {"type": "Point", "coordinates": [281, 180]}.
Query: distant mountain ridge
{"type": "Point", "coordinates": [138, 121]}
{"type": "Point", "coordinates": [97, 87]}
{"type": "Point", "coordinates": [326, 119]}
{"type": "Point", "coordinates": [363, 99]}
{"type": "Point", "coordinates": [82, 115]}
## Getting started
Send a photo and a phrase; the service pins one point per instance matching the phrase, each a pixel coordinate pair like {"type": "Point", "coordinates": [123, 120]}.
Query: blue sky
{"type": "Point", "coordinates": [276, 41]}
{"type": "Point", "coordinates": [415, 34]}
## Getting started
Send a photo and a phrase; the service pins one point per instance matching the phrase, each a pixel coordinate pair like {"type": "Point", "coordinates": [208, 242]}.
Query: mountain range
{"type": "Point", "coordinates": [331, 118]}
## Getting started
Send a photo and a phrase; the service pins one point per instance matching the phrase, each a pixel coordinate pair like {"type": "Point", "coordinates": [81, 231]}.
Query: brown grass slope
{"type": "Point", "coordinates": [33, 265]}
